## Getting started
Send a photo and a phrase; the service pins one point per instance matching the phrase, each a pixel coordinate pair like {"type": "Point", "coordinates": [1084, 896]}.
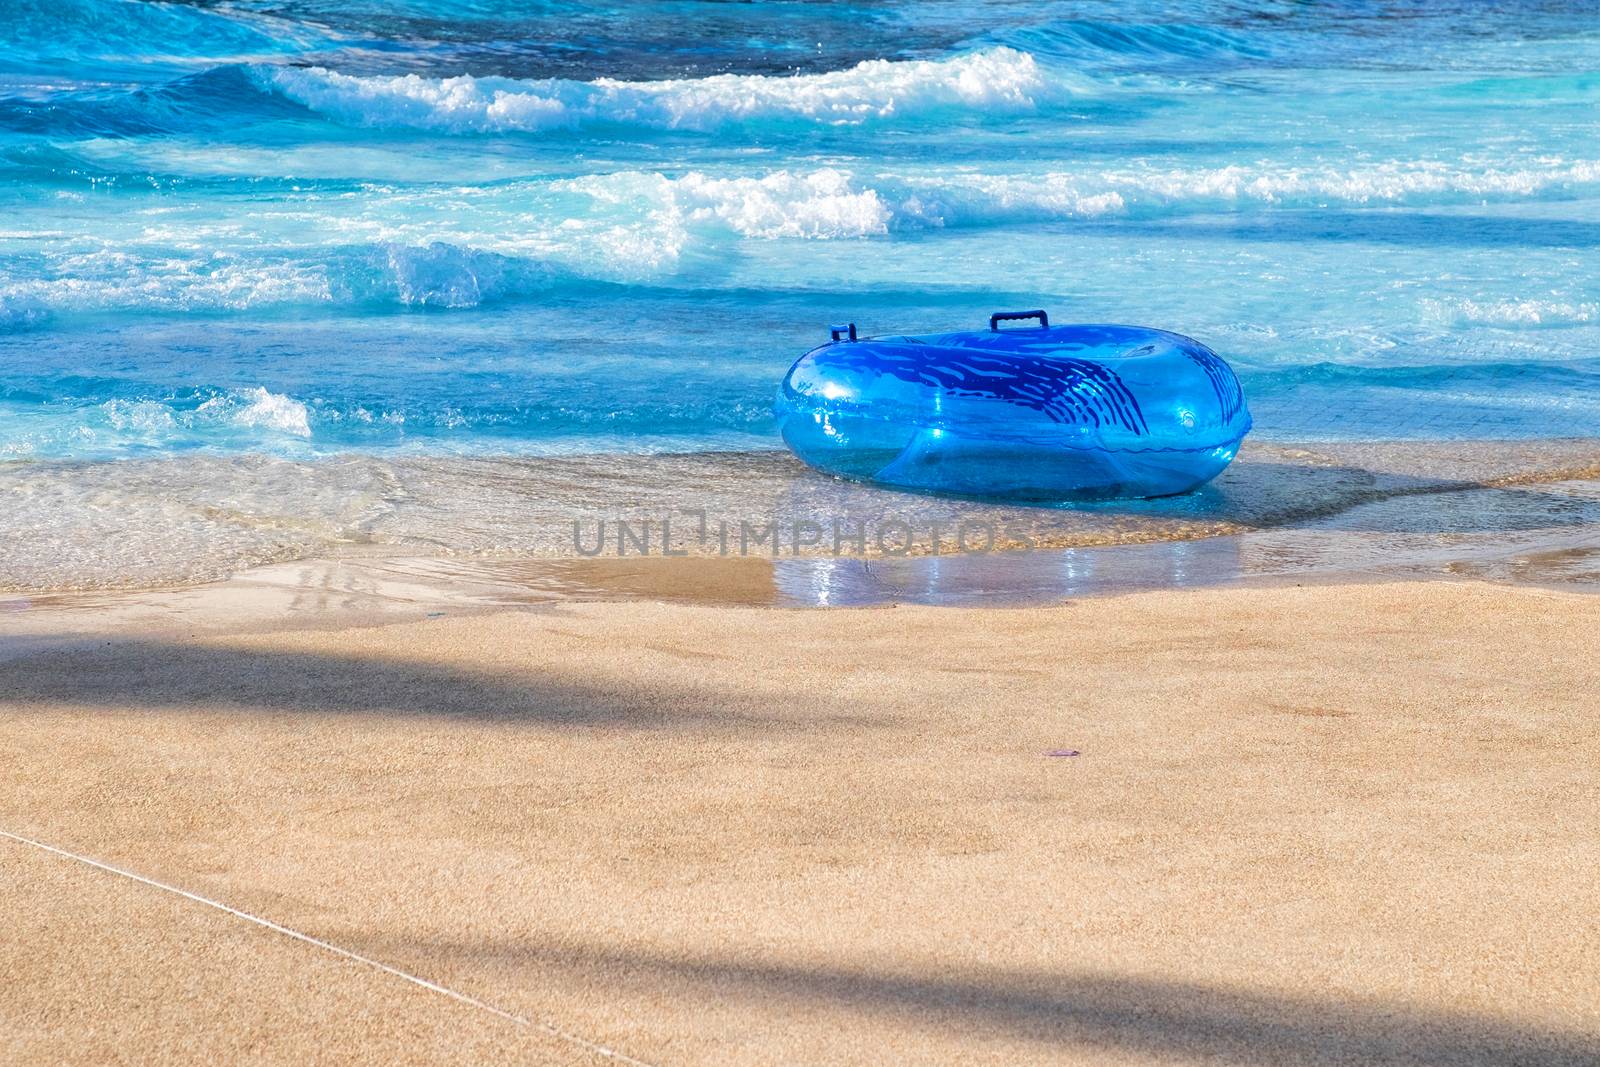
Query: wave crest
{"type": "Point", "coordinates": [258, 408]}
{"type": "Point", "coordinates": [833, 202]}
{"type": "Point", "coordinates": [995, 78]}
{"type": "Point", "coordinates": [968, 199]}
{"type": "Point", "coordinates": [822, 204]}
{"type": "Point", "coordinates": [247, 417]}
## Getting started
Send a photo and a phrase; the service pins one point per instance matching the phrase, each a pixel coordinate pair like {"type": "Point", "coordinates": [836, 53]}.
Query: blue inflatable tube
{"type": "Point", "coordinates": [1040, 413]}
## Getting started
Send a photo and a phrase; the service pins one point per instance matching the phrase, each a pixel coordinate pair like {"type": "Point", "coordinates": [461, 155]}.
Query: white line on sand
{"type": "Point", "coordinates": [511, 1017]}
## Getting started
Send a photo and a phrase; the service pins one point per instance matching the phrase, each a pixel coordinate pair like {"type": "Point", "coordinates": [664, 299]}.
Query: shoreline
{"type": "Point", "coordinates": [188, 521]}
{"type": "Point", "coordinates": [321, 594]}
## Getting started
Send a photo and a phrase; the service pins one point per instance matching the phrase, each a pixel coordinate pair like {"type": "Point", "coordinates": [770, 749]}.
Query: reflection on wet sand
{"type": "Point", "coordinates": [1519, 513]}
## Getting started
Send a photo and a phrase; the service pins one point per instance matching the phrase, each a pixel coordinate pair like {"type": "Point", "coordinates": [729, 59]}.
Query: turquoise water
{"type": "Point", "coordinates": [470, 226]}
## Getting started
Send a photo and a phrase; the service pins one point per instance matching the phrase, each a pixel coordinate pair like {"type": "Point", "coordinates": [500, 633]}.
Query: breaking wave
{"type": "Point", "coordinates": [252, 417]}
{"type": "Point", "coordinates": [968, 199]}
{"type": "Point", "coordinates": [528, 237]}
{"type": "Point", "coordinates": [822, 204]}
{"type": "Point", "coordinates": [996, 79]}
{"type": "Point", "coordinates": [436, 275]}
{"type": "Point", "coordinates": [831, 203]}
{"type": "Point", "coordinates": [259, 409]}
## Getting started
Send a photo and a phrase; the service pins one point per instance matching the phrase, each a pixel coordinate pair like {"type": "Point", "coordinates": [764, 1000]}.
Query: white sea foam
{"type": "Point", "coordinates": [967, 199]}
{"type": "Point", "coordinates": [1463, 312]}
{"type": "Point", "coordinates": [430, 274]}
{"type": "Point", "coordinates": [1372, 183]}
{"type": "Point", "coordinates": [257, 408]}
{"type": "Point", "coordinates": [139, 417]}
{"type": "Point", "coordinates": [127, 280]}
{"type": "Point", "coordinates": [978, 199]}
{"type": "Point", "coordinates": [461, 247]}
{"type": "Point", "coordinates": [835, 202]}
{"type": "Point", "coordinates": [996, 78]}
{"type": "Point", "coordinates": [783, 203]}
{"type": "Point", "coordinates": [252, 417]}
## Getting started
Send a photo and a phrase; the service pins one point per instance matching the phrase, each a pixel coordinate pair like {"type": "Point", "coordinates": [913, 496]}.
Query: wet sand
{"type": "Point", "coordinates": [1343, 823]}
{"type": "Point", "coordinates": [186, 521]}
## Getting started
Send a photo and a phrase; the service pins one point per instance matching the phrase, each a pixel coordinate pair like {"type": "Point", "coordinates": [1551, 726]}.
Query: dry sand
{"type": "Point", "coordinates": [1331, 825]}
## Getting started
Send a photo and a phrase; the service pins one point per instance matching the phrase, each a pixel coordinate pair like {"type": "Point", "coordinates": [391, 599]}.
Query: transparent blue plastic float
{"type": "Point", "coordinates": [1042, 413]}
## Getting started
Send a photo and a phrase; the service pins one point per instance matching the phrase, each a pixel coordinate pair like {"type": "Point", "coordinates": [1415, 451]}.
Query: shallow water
{"type": "Point", "coordinates": [95, 525]}
{"type": "Point", "coordinates": [291, 231]}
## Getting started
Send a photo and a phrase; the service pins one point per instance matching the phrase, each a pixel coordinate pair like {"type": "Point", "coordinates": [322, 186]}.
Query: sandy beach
{"type": "Point", "coordinates": [1339, 823]}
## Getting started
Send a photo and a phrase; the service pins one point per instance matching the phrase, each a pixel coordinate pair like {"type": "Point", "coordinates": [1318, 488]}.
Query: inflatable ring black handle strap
{"type": "Point", "coordinates": [1008, 316]}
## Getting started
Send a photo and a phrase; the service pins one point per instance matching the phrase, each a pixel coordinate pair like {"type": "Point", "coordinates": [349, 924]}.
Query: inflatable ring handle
{"type": "Point", "coordinates": [1007, 316]}
{"type": "Point", "coordinates": [849, 327]}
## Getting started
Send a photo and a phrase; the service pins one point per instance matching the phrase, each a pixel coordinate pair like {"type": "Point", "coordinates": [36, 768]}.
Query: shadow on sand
{"type": "Point", "coordinates": [1163, 1020]}
{"type": "Point", "coordinates": [173, 676]}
